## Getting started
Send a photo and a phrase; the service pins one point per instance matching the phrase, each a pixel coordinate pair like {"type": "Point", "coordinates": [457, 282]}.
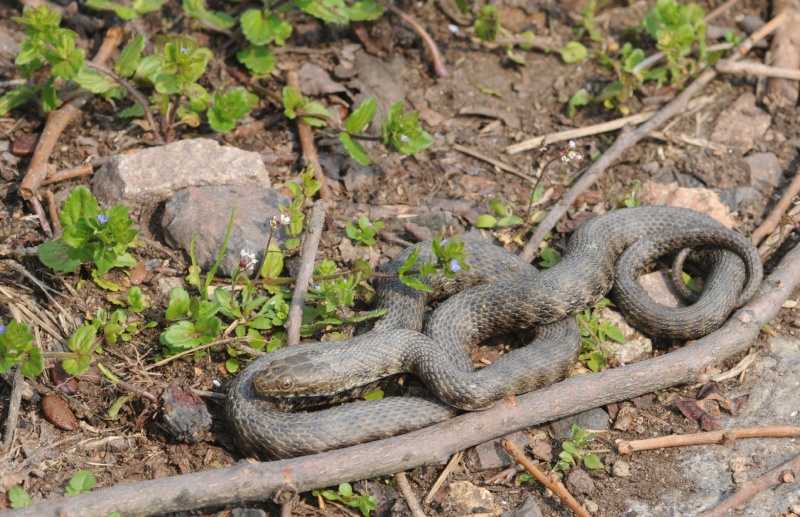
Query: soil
{"type": "Point", "coordinates": [521, 101]}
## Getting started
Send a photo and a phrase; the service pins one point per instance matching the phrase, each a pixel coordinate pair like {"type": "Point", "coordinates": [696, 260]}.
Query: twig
{"type": "Point", "coordinates": [759, 69]}
{"type": "Point", "coordinates": [786, 49]}
{"type": "Point", "coordinates": [553, 483]}
{"type": "Point", "coordinates": [776, 238]}
{"type": "Point", "coordinates": [53, 210]}
{"type": "Point", "coordinates": [621, 144]}
{"type": "Point", "coordinates": [408, 495]}
{"type": "Point", "coordinates": [436, 56]}
{"type": "Point", "coordinates": [497, 163]}
{"type": "Point", "coordinates": [136, 94]}
{"type": "Point", "coordinates": [596, 129]}
{"type": "Point", "coordinates": [249, 482]}
{"type": "Point", "coordinates": [313, 235]}
{"type": "Point", "coordinates": [68, 174]}
{"type": "Point", "coordinates": [720, 437]}
{"type": "Point", "coordinates": [774, 217]}
{"type": "Point", "coordinates": [14, 402]}
{"type": "Point", "coordinates": [505, 474]}
{"type": "Point", "coordinates": [306, 137]}
{"type": "Point", "coordinates": [58, 120]}
{"type": "Point", "coordinates": [443, 476]}
{"type": "Point", "coordinates": [785, 473]}
{"type": "Point", "coordinates": [39, 211]}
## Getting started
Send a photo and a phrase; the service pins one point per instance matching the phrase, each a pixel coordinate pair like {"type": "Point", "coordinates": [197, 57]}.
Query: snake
{"type": "Point", "coordinates": [497, 295]}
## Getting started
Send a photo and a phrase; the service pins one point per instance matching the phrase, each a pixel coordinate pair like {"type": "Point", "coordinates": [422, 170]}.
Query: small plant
{"type": "Point", "coordinates": [594, 335]}
{"type": "Point", "coordinates": [194, 323]}
{"type": "Point", "coordinates": [589, 12]}
{"type": "Point", "coordinates": [17, 348]}
{"type": "Point", "coordinates": [630, 200]}
{"type": "Point", "coordinates": [364, 233]}
{"type": "Point", "coordinates": [90, 235]}
{"type": "Point", "coordinates": [292, 217]}
{"type": "Point", "coordinates": [344, 494]}
{"type": "Point", "coordinates": [503, 215]}
{"type": "Point", "coordinates": [449, 258]}
{"type": "Point", "coordinates": [573, 454]}
{"type": "Point", "coordinates": [19, 498]}
{"type": "Point", "coordinates": [137, 7]}
{"type": "Point", "coordinates": [80, 483]}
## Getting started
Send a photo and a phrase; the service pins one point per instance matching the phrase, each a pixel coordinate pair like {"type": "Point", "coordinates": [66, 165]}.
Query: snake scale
{"type": "Point", "coordinates": [498, 294]}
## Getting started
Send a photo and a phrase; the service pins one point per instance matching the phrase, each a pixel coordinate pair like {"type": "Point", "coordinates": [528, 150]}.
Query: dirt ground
{"type": "Point", "coordinates": [523, 101]}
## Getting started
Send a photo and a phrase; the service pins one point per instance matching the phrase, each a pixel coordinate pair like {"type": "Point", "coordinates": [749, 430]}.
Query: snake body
{"type": "Point", "coordinates": [498, 294]}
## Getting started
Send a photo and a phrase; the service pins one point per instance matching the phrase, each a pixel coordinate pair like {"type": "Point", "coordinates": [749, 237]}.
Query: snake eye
{"type": "Point", "coordinates": [286, 383]}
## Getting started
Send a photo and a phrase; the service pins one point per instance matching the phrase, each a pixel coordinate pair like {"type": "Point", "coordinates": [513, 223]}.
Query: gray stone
{"type": "Point", "coordinates": [9, 48]}
{"type": "Point", "coordinates": [248, 512]}
{"type": "Point", "coordinates": [579, 481]}
{"type": "Point", "coordinates": [206, 211]}
{"type": "Point", "coordinates": [527, 508]}
{"type": "Point", "coordinates": [765, 169]}
{"type": "Point", "coordinates": [156, 173]}
{"type": "Point", "coordinates": [595, 420]}
{"type": "Point", "coordinates": [741, 124]}
{"type": "Point", "coordinates": [621, 469]}
{"type": "Point", "coordinates": [659, 286]}
{"type": "Point", "coordinates": [635, 345]}
{"type": "Point", "coordinates": [465, 498]}
{"type": "Point", "coordinates": [491, 455]}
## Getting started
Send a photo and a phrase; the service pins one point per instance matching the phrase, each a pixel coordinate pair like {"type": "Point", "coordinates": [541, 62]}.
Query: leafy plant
{"type": "Point", "coordinates": [90, 235]}
{"type": "Point", "coordinates": [194, 323]}
{"type": "Point", "coordinates": [678, 29]}
{"type": "Point", "coordinates": [137, 7]}
{"type": "Point", "coordinates": [292, 216]}
{"type": "Point", "coordinates": [80, 483]}
{"type": "Point", "coordinates": [573, 454]}
{"type": "Point", "coordinates": [18, 498]}
{"type": "Point", "coordinates": [630, 200]}
{"type": "Point", "coordinates": [344, 494]}
{"type": "Point", "coordinates": [364, 233]}
{"type": "Point", "coordinates": [448, 258]}
{"type": "Point", "coordinates": [573, 52]}
{"type": "Point", "coordinates": [502, 209]}
{"type": "Point", "coordinates": [589, 12]}
{"type": "Point", "coordinates": [594, 335]}
{"type": "Point", "coordinates": [17, 348]}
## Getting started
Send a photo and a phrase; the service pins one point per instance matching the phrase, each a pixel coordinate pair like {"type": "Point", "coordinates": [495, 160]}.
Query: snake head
{"type": "Point", "coordinates": [270, 385]}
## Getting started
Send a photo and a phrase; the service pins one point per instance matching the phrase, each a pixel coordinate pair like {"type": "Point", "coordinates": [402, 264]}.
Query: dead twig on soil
{"type": "Point", "coordinates": [552, 482]}
{"type": "Point", "coordinates": [38, 210]}
{"type": "Point", "coordinates": [436, 56]}
{"type": "Point", "coordinates": [621, 144]}
{"type": "Point", "coordinates": [758, 69]}
{"type": "Point", "coordinates": [443, 476]}
{"type": "Point", "coordinates": [307, 145]}
{"type": "Point", "coordinates": [52, 208]}
{"type": "Point", "coordinates": [785, 47]}
{"type": "Point", "coordinates": [497, 163]}
{"type": "Point", "coordinates": [724, 437]}
{"type": "Point", "coordinates": [58, 121]}
{"type": "Point", "coordinates": [785, 473]}
{"type": "Point", "coordinates": [408, 495]}
{"type": "Point", "coordinates": [781, 207]}
{"type": "Point", "coordinates": [775, 239]}
{"type": "Point", "coordinates": [247, 481]}
{"type": "Point", "coordinates": [313, 235]}
{"type": "Point", "coordinates": [68, 174]}
{"type": "Point", "coordinates": [14, 401]}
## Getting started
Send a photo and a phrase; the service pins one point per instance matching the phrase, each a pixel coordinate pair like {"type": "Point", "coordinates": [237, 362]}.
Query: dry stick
{"type": "Point", "coordinates": [785, 473]}
{"type": "Point", "coordinates": [759, 69]}
{"type": "Point", "coordinates": [436, 56]}
{"type": "Point", "coordinates": [408, 495]}
{"type": "Point", "coordinates": [68, 174]}
{"type": "Point", "coordinates": [497, 163]}
{"type": "Point", "coordinates": [58, 120]}
{"type": "Point", "coordinates": [554, 484]}
{"type": "Point", "coordinates": [39, 212]}
{"type": "Point", "coordinates": [774, 218]}
{"type": "Point", "coordinates": [786, 49]}
{"type": "Point", "coordinates": [627, 140]}
{"type": "Point", "coordinates": [52, 208]}
{"type": "Point", "coordinates": [724, 437]}
{"type": "Point", "coordinates": [443, 476]}
{"type": "Point", "coordinates": [306, 137]}
{"type": "Point", "coordinates": [313, 235]}
{"type": "Point", "coordinates": [249, 482]}
{"type": "Point", "coordinates": [774, 240]}
{"type": "Point", "coordinates": [13, 407]}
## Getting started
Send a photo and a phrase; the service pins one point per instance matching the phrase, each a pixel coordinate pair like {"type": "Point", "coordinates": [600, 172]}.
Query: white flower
{"type": "Point", "coordinates": [286, 219]}
{"type": "Point", "coordinates": [247, 261]}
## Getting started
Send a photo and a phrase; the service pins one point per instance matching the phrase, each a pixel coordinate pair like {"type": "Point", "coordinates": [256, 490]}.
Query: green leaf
{"type": "Point", "coordinates": [332, 11]}
{"type": "Point", "coordinates": [464, 6]}
{"type": "Point", "coordinates": [34, 365]}
{"type": "Point", "coordinates": [55, 255]}
{"type": "Point", "coordinates": [376, 394]}
{"type": "Point", "coordinates": [573, 52]}
{"type": "Point", "coordinates": [82, 339]}
{"type": "Point", "coordinates": [499, 208]}
{"type": "Point", "coordinates": [361, 116]}
{"type": "Point", "coordinates": [180, 336]}
{"type": "Point", "coordinates": [486, 221]}
{"type": "Point", "coordinates": [136, 301]}
{"type": "Point", "coordinates": [346, 489]}
{"type": "Point", "coordinates": [258, 59]}
{"type": "Point", "coordinates": [77, 366]}
{"type": "Point", "coordinates": [232, 365]}
{"type": "Point", "coordinates": [365, 10]}
{"type": "Point", "coordinates": [113, 411]}
{"type": "Point", "coordinates": [262, 27]}
{"type": "Point", "coordinates": [228, 108]}
{"type": "Point", "coordinates": [314, 108]}
{"type": "Point", "coordinates": [178, 304]}
{"type": "Point", "coordinates": [81, 482]}
{"type": "Point", "coordinates": [580, 98]}
{"type": "Point", "coordinates": [592, 462]}
{"type": "Point", "coordinates": [19, 498]}
{"type": "Point", "coordinates": [487, 24]}
{"type": "Point", "coordinates": [615, 333]}
{"type": "Point", "coordinates": [130, 57]}
{"type": "Point", "coordinates": [15, 99]}
{"type": "Point", "coordinates": [126, 13]}
{"type": "Point", "coordinates": [511, 220]}
{"type": "Point", "coordinates": [69, 66]}
{"type": "Point", "coordinates": [95, 81]}
{"type": "Point", "coordinates": [147, 6]}
{"type": "Point", "coordinates": [134, 111]}
{"type": "Point", "coordinates": [49, 96]}
{"type": "Point", "coordinates": [355, 149]}
{"type": "Point", "coordinates": [291, 99]}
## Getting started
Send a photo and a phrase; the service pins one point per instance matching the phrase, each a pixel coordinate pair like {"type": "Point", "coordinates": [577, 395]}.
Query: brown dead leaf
{"type": "Point", "coordinates": [138, 273]}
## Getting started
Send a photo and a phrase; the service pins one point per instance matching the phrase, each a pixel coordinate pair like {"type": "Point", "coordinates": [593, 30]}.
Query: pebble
{"type": "Point", "coordinates": [741, 124]}
{"type": "Point", "coordinates": [25, 144]}
{"type": "Point", "coordinates": [58, 413]}
{"type": "Point", "coordinates": [579, 481]}
{"type": "Point", "coordinates": [795, 508]}
{"type": "Point", "coordinates": [621, 469]}
{"type": "Point", "coordinates": [739, 477]}
{"type": "Point", "coordinates": [591, 506]}
{"type": "Point", "coordinates": [738, 464]}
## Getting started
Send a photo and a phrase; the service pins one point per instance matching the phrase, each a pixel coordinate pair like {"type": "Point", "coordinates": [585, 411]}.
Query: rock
{"type": "Point", "coordinates": [206, 211]}
{"type": "Point", "coordinates": [9, 48]}
{"type": "Point", "coordinates": [248, 512]}
{"type": "Point", "coordinates": [741, 124]}
{"type": "Point", "coordinates": [738, 464]}
{"type": "Point", "coordinates": [635, 346]}
{"type": "Point", "coordinates": [765, 169]}
{"type": "Point", "coordinates": [579, 481]}
{"type": "Point", "coordinates": [156, 173]}
{"type": "Point", "coordinates": [700, 199]}
{"type": "Point", "coordinates": [185, 414]}
{"type": "Point", "coordinates": [621, 469]}
{"type": "Point", "coordinates": [659, 286]}
{"type": "Point", "coordinates": [25, 144]}
{"type": "Point", "coordinates": [386, 496]}
{"type": "Point", "coordinates": [595, 420]}
{"type": "Point", "coordinates": [465, 498]}
{"type": "Point", "coordinates": [591, 506]}
{"type": "Point", "coordinates": [491, 455]}
{"type": "Point", "coordinates": [527, 508]}
{"type": "Point", "coordinates": [739, 477]}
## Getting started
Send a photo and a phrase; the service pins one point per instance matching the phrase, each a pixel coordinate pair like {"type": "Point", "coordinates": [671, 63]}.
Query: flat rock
{"type": "Point", "coordinates": [700, 199]}
{"type": "Point", "coordinates": [491, 455]}
{"type": "Point", "coordinates": [635, 345]}
{"type": "Point", "coordinates": [156, 173]}
{"type": "Point", "coordinates": [741, 124]}
{"type": "Point", "coordinates": [464, 498]}
{"type": "Point", "coordinates": [765, 169]}
{"type": "Point", "coordinates": [659, 286]}
{"type": "Point", "coordinates": [593, 420]}
{"type": "Point", "coordinates": [527, 508]}
{"type": "Point", "coordinates": [206, 211]}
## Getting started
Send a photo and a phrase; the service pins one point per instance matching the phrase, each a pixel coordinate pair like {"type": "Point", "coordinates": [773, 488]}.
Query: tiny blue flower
{"type": "Point", "coordinates": [2, 329]}
{"type": "Point", "coordinates": [102, 218]}
{"type": "Point", "coordinates": [184, 50]}
{"type": "Point", "coordinates": [455, 267]}
{"type": "Point", "coordinates": [404, 139]}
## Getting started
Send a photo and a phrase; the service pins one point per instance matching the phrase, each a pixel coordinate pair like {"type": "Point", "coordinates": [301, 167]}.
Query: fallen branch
{"type": "Point", "coordinates": [621, 144]}
{"type": "Point", "coordinates": [785, 473]}
{"type": "Point", "coordinates": [497, 163]}
{"type": "Point", "coordinates": [58, 121]}
{"type": "Point", "coordinates": [443, 476]}
{"type": "Point", "coordinates": [409, 495]}
{"type": "Point", "coordinates": [253, 481]}
{"type": "Point", "coordinates": [307, 145]}
{"type": "Point", "coordinates": [772, 221]}
{"type": "Point", "coordinates": [68, 174]}
{"type": "Point", "coordinates": [759, 69]}
{"type": "Point", "coordinates": [554, 484]}
{"type": "Point", "coordinates": [436, 56]}
{"type": "Point", "coordinates": [313, 235]}
{"type": "Point", "coordinates": [783, 92]}
{"type": "Point", "coordinates": [724, 437]}
{"type": "Point", "coordinates": [14, 401]}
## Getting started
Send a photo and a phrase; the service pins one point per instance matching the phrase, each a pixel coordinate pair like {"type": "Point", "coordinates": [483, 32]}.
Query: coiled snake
{"type": "Point", "coordinates": [498, 294]}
